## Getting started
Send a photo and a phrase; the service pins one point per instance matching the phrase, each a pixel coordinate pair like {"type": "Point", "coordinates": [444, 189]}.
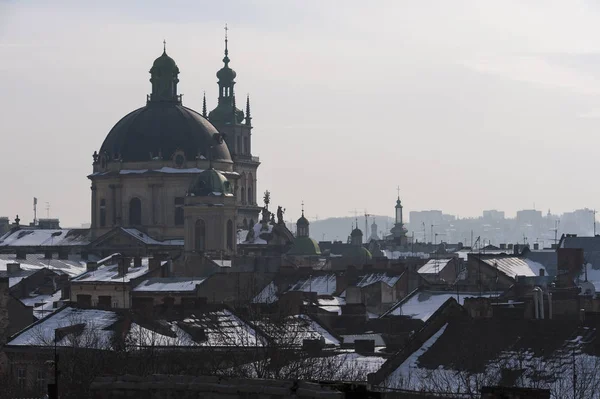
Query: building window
{"type": "Point", "coordinates": [239, 145]}
{"type": "Point", "coordinates": [40, 381]}
{"type": "Point", "coordinates": [250, 197]}
{"type": "Point", "coordinates": [102, 212]}
{"type": "Point", "coordinates": [179, 211]}
{"type": "Point", "coordinates": [229, 234]}
{"type": "Point", "coordinates": [246, 146]}
{"type": "Point", "coordinates": [21, 378]}
{"type": "Point", "coordinates": [243, 199]}
{"type": "Point", "coordinates": [200, 235]}
{"type": "Point", "coordinates": [135, 212]}
{"type": "Point", "coordinates": [245, 224]}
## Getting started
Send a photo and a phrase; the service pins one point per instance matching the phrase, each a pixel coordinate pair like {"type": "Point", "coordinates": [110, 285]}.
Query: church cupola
{"type": "Point", "coordinates": [164, 78]}
{"type": "Point", "coordinates": [226, 111]}
{"type": "Point", "coordinates": [356, 236]}
{"type": "Point", "coordinates": [302, 225]}
{"type": "Point", "coordinates": [399, 211]}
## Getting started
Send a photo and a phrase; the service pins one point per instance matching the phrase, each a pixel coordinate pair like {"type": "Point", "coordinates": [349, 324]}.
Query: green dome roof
{"type": "Point", "coordinates": [305, 246]}
{"type": "Point", "coordinates": [357, 252]}
{"type": "Point", "coordinates": [210, 182]}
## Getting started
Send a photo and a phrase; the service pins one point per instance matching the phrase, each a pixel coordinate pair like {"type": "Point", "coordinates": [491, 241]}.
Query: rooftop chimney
{"type": "Point", "coordinates": [13, 267]}
{"type": "Point", "coordinates": [91, 266]}
{"type": "Point", "coordinates": [124, 266]}
{"type": "Point", "coordinates": [21, 254]}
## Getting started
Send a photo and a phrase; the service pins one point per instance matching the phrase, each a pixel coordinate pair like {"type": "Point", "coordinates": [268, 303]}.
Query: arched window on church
{"type": "Point", "coordinates": [102, 212]}
{"type": "Point", "coordinates": [200, 235]}
{"type": "Point", "coordinates": [250, 197]}
{"type": "Point", "coordinates": [243, 195]}
{"type": "Point", "coordinates": [229, 235]}
{"type": "Point", "coordinates": [135, 212]}
{"type": "Point", "coordinates": [245, 224]}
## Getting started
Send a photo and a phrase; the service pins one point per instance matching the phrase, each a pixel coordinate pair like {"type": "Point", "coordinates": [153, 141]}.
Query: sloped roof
{"type": "Point", "coordinates": [322, 285]}
{"type": "Point", "coordinates": [377, 277]}
{"type": "Point", "coordinates": [512, 352]}
{"type": "Point", "coordinates": [434, 266]}
{"type": "Point", "coordinates": [72, 266]}
{"type": "Point", "coordinates": [45, 238]}
{"type": "Point", "coordinates": [514, 266]}
{"type": "Point", "coordinates": [169, 284]}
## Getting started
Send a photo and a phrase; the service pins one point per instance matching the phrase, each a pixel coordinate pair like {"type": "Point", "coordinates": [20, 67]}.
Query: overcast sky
{"type": "Point", "coordinates": [466, 105]}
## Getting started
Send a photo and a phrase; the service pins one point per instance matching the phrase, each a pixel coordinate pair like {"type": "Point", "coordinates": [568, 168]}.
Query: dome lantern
{"type": "Point", "coordinates": [164, 78]}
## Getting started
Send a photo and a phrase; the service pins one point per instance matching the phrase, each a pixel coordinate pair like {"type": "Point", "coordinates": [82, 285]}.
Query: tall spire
{"type": "Point", "coordinates": [204, 114]}
{"type": "Point", "coordinates": [164, 46]}
{"type": "Point", "coordinates": [248, 117]}
{"type": "Point", "coordinates": [226, 58]}
{"type": "Point", "coordinates": [303, 208]}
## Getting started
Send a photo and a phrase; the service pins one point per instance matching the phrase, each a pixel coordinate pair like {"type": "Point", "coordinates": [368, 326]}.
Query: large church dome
{"type": "Point", "coordinates": [164, 125]}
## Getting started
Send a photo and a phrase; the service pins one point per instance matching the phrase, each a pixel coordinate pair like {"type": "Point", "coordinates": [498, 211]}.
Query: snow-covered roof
{"type": "Point", "coordinates": [404, 254]}
{"type": "Point", "coordinates": [322, 285]}
{"type": "Point", "coordinates": [45, 237]}
{"type": "Point", "coordinates": [373, 278]}
{"type": "Point", "coordinates": [164, 169]}
{"type": "Point", "coordinates": [169, 284]}
{"type": "Point", "coordinates": [45, 303]}
{"type": "Point", "coordinates": [72, 266]}
{"type": "Point", "coordinates": [422, 304]}
{"type": "Point", "coordinates": [94, 331]}
{"type": "Point", "coordinates": [349, 339]}
{"type": "Point", "coordinates": [258, 240]}
{"type": "Point", "coordinates": [515, 266]}
{"type": "Point", "coordinates": [333, 304]}
{"type": "Point", "coordinates": [434, 266]}
{"type": "Point", "coordinates": [218, 329]}
{"type": "Point", "coordinates": [110, 274]}
{"type": "Point", "coordinates": [146, 239]}
{"type": "Point", "coordinates": [267, 294]}
{"type": "Point", "coordinates": [406, 371]}
{"type": "Point", "coordinates": [293, 330]}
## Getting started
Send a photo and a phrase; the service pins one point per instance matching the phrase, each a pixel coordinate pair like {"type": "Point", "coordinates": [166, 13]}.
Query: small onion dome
{"type": "Point", "coordinates": [302, 221]}
{"type": "Point", "coordinates": [356, 232]}
{"type": "Point", "coordinates": [210, 182]}
{"type": "Point", "coordinates": [226, 74]}
{"type": "Point", "coordinates": [164, 63]}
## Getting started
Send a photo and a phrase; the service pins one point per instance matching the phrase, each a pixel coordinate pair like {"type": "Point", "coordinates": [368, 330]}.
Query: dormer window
{"type": "Point", "coordinates": [179, 159]}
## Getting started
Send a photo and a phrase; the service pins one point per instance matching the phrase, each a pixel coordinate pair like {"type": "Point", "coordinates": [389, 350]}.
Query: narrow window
{"type": "Point", "coordinates": [239, 145]}
{"type": "Point", "coordinates": [41, 379]}
{"type": "Point", "coordinates": [200, 235]}
{"type": "Point", "coordinates": [250, 197]}
{"type": "Point", "coordinates": [243, 195]}
{"type": "Point", "coordinates": [102, 212]}
{"type": "Point", "coordinates": [179, 211]}
{"type": "Point", "coordinates": [246, 146]}
{"type": "Point", "coordinates": [135, 212]}
{"type": "Point", "coordinates": [21, 378]}
{"type": "Point", "coordinates": [229, 234]}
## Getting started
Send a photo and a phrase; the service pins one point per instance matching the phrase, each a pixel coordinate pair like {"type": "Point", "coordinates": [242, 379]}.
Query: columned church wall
{"type": "Point", "coordinates": [161, 200]}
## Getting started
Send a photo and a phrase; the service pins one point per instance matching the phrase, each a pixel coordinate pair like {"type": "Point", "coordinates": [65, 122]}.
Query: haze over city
{"type": "Point", "coordinates": [466, 107]}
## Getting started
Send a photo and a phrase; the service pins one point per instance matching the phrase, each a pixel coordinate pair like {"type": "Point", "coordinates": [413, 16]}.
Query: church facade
{"type": "Point", "coordinates": [150, 158]}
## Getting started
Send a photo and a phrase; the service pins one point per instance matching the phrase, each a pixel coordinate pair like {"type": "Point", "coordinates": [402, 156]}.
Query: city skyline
{"type": "Point", "coordinates": [503, 105]}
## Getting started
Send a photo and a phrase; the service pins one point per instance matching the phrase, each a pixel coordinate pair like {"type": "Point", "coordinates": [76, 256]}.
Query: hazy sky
{"type": "Point", "coordinates": [466, 105]}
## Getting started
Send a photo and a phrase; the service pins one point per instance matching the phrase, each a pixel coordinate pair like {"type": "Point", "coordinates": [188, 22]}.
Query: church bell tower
{"type": "Point", "coordinates": [236, 127]}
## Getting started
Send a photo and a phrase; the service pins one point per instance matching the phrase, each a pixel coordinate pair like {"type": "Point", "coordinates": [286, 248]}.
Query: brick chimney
{"type": "Point", "coordinates": [124, 266]}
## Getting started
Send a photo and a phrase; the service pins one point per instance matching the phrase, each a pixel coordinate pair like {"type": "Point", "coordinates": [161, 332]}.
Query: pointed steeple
{"type": "Point", "coordinates": [204, 114]}
{"type": "Point", "coordinates": [226, 112]}
{"type": "Point", "coordinates": [248, 117]}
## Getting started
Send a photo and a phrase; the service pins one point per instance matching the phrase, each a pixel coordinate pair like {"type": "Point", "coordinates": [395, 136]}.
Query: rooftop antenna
{"type": "Point", "coordinates": [48, 210]}
{"type": "Point", "coordinates": [34, 211]}
{"type": "Point", "coordinates": [593, 212]}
